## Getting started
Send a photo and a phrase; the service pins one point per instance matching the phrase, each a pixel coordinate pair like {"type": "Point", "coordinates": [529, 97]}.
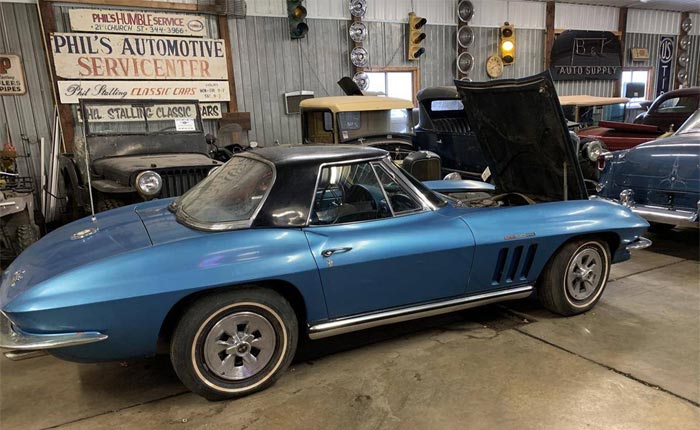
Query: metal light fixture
{"type": "Point", "coordinates": [684, 42]}
{"type": "Point", "coordinates": [682, 76]}
{"type": "Point", "coordinates": [465, 36]}
{"type": "Point", "coordinates": [465, 10]}
{"type": "Point", "coordinates": [358, 7]}
{"type": "Point", "coordinates": [358, 31]}
{"type": "Point", "coordinates": [687, 25]}
{"type": "Point", "coordinates": [359, 57]}
{"type": "Point", "coordinates": [362, 80]}
{"type": "Point", "coordinates": [683, 59]}
{"type": "Point", "coordinates": [465, 62]}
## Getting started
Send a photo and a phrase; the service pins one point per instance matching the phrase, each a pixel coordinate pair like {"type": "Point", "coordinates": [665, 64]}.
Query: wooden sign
{"type": "Point", "coordinates": [138, 22]}
{"type": "Point", "coordinates": [156, 112]}
{"type": "Point", "coordinates": [204, 91]}
{"type": "Point", "coordinates": [113, 56]}
{"type": "Point", "coordinates": [12, 82]}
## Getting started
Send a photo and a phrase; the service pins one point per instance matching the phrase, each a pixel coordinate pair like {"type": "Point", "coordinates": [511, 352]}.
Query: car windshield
{"type": "Point", "coordinates": [105, 118]}
{"type": "Point", "coordinates": [232, 193]}
{"type": "Point", "coordinates": [691, 125]}
{"type": "Point", "coordinates": [353, 125]}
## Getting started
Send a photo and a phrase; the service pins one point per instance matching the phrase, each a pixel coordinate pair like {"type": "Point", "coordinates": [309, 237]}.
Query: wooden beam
{"type": "Point", "coordinates": [225, 34]}
{"type": "Point", "coordinates": [47, 20]}
{"type": "Point", "coordinates": [145, 4]}
{"type": "Point", "coordinates": [549, 34]}
{"type": "Point", "coordinates": [622, 30]}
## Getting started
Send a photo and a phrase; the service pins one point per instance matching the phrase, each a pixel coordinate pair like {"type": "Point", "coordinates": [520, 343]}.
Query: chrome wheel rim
{"type": "Point", "coordinates": [239, 345]}
{"type": "Point", "coordinates": [584, 274]}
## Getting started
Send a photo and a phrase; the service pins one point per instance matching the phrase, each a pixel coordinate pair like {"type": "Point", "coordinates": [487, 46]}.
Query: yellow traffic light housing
{"type": "Point", "coordinates": [506, 44]}
{"type": "Point", "coordinates": [415, 36]}
{"type": "Point", "coordinates": [296, 13]}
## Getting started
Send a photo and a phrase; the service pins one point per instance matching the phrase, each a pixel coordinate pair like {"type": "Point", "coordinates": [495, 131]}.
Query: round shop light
{"type": "Point", "coordinates": [362, 80]}
{"type": "Point", "coordinates": [682, 76]}
{"type": "Point", "coordinates": [465, 36]}
{"type": "Point", "coordinates": [687, 25]}
{"type": "Point", "coordinates": [683, 59]}
{"type": "Point", "coordinates": [465, 62]}
{"type": "Point", "coordinates": [684, 42]}
{"type": "Point", "coordinates": [149, 183]}
{"type": "Point", "coordinates": [465, 10]}
{"type": "Point", "coordinates": [359, 57]}
{"type": "Point", "coordinates": [358, 7]}
{"type": "Point", "coordinates": [358, 32]}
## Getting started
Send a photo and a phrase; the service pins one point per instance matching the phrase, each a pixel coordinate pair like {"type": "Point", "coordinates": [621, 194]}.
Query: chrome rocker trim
{"type": "Point", "coordinates": [20, 342]}
{"type": "Point", "coordinates": [666, 216]}
{"type": "Point", "coordinates": [640, 243]}
{"type": "Point", "coordinates": [361, 322]}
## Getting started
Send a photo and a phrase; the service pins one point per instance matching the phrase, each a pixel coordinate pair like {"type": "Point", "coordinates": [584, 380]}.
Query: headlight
{"type": "Point", "coordinates": [454, 176]}
{"type": "Point", "coordinates": [149, 183]}
{"type": "Point", "coordinates": [594, 150]}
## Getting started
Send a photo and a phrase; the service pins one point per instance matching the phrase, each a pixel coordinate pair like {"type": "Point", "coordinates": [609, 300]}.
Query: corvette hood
{"type": "Point", "coordinates": [117, 231]}
{"type": "Point", "coordinates": [162, 225]}
{"type": "Point", "coordinates": [522, 131]}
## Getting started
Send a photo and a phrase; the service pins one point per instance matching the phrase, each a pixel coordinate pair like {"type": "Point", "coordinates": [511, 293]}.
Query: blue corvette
{"type": "Point", "coordinates": [313, 241]}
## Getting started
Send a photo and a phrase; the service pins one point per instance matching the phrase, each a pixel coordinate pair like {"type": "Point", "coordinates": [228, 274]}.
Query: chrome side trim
{"type": "Point", "coordinates": [640, 243]}
{"type": "Point", "coordinates": [361, 322]}
{"type": "Point", "coordinates": [666, 216]}
{"type": "Point", "coordinates": [24, 355]}
{"type": "Point", "coordinates": [13, 338]}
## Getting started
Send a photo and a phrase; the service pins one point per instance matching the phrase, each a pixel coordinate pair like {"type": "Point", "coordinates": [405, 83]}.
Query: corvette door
{"type": "Point", "coordinates": [377, 247]}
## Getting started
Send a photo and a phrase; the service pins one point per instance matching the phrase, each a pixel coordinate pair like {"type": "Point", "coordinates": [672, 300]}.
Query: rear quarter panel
{"type": "Point", "coordinates": [513, 244]}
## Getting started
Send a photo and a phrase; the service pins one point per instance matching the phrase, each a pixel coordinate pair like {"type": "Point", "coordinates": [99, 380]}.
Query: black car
{"type": "Point", "coordinates": [445, 130]}
{"type": "Point", "coordinates": [134, 151]}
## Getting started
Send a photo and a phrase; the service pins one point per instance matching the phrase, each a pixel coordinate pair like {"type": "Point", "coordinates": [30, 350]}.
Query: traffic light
{"type": "Point", "coordinates": [506, 45]}
{"type": "Point", "coordinates": [415, 36]}
{"type": "Point", "coordinates": [297, 15]}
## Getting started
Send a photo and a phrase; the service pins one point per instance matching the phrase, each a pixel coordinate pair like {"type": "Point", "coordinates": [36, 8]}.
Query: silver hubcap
{"type": "Point", "coordinates": [583, 274]}
{"type": "Point", "coordinates": [239, 345]}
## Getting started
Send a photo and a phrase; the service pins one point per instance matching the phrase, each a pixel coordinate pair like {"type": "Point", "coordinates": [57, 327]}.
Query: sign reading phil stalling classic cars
{"type": "Point", "coordinates": [583, 55]}
{"type": "Point", "coordinates": [112, 56]}
{"type": "Point", "coordinates": [140, 22]}
{"type": "Point", "coordinates": [11, 75]}
{"type": "Point", "coordinates": [70, 92]}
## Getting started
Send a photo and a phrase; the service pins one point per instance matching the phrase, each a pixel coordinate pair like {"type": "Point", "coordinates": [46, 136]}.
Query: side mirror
{"type": "Point", "coordinates": [210, 139]}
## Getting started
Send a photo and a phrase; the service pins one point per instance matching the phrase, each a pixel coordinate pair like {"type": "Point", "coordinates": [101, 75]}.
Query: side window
{"type": "Point", "coordinates": [678, 105]}
{"type": "Point", "coordinates": [348, 193]}
{"type": "Point", "coordinates": [400, 199]}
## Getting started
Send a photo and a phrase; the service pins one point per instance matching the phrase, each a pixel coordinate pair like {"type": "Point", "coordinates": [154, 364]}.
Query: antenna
{"type": "Point", "coordinates": [87, 164]}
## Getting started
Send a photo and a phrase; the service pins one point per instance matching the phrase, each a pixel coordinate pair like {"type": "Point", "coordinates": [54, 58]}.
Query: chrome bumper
{"type": "Point", "coordinates": [20, 342]}
{"type": "Point", "coordinates": [666, 216]}
{"type": "Point", "coordinates": [640, 243]}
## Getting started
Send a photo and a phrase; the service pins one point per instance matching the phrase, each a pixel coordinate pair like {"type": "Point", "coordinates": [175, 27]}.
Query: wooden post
{"type": "Point", "coordinates": [549, 35]}
{"type": "Point", "coordinates": [622, 29]}
{"type": "Point", "coordinates": [65, 114]}
{"type": "Point", "coordinates": [225, 34]}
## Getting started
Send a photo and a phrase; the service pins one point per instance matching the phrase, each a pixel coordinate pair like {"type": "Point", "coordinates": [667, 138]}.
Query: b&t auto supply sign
{"type": "Point", "coordinates": [12, 81]}
{"type": "Point", "coordinates": [139, 22]}
{"type": "Point", "coordinates": [113, 56]}
{"type": "Point", "coordinates": [586, 55]}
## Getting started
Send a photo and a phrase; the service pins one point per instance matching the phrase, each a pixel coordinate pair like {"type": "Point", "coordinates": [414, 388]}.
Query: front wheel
{"type": "Point", "coordinates": [575, 277]}
{"type": "Point", "coordinates": [234, 343]}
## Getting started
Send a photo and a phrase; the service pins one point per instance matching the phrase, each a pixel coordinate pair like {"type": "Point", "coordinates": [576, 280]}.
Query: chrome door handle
{"type": "Point", "coordinates": [329, 252]}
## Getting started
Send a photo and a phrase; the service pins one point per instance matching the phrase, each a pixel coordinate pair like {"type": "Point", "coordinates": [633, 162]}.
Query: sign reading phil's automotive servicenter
{"type": "Point", "coordinates": [143, 22]}
{"type": "Point", "coordinates": [111, 56]}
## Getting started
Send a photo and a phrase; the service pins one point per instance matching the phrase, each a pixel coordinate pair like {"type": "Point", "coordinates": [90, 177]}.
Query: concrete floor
{"type": "Point", "coordinates": [631, 363]}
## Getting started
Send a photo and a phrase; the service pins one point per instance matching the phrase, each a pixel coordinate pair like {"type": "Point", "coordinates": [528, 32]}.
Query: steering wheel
{"type": "Point", "coordinates": [401, 202]}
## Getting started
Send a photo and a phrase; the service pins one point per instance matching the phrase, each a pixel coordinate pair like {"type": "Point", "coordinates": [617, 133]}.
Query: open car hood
{"type": "Point", "coordinates": [522, 132]}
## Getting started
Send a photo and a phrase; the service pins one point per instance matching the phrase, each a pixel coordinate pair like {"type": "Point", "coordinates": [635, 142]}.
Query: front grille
{"type": "Point", "coordinates": [176, 181]}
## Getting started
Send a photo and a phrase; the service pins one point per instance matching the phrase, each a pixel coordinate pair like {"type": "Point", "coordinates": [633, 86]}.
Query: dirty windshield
{"type": "Point", "coordinates": [354, 125]}
{"type": "Point", "coordinates": [114, 118]}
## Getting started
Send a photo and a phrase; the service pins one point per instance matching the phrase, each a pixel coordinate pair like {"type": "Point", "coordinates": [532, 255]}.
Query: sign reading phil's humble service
{"type": "Point", "coordinates": [12, 82]}
{"type": "Point", "coordinates": [586, 55]}
{"type": "Point", "coordinates": [144, 22]}
{"type": "Point", "coordinates": [111, 56]}
{"type": "Point", "coordinates": [204, 91]}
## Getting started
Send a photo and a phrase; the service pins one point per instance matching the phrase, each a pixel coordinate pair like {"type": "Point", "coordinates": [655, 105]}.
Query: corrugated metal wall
{"type": "Point", "coordinates": [653, 21]}
{"type": "Point", "coordinates": [645, 40]}
{"type": "Point", "coordinates": [29, 116]}
{"type": "Point", "coordinates": [694, 65]}
{"type": "Point", "coordinates": [585, 17]}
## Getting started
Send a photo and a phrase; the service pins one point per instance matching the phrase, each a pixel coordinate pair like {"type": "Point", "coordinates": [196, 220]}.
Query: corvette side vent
{"type": "Point", "coordinates": [510, 265]}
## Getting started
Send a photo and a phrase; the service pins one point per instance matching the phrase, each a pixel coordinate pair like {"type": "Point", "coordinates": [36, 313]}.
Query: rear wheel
{"type": "Point", "coordinates": [234, 343]}
{"type": "Point", "coordinates": [575, 277]}
{"type": "Point", "coordinates": [26, 235]}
